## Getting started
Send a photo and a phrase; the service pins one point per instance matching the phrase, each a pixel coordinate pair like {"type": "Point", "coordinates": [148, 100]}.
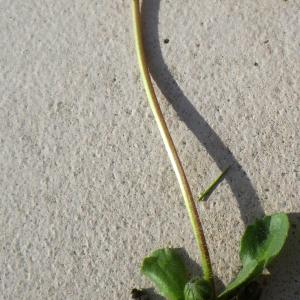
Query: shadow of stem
{"type": "Point", "coordinates": [237, 178]}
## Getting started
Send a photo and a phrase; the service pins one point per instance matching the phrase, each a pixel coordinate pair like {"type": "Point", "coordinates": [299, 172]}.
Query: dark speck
{"type": "Point", "coordinates": [138, 294]}
{"type": "Point", "coordinates": [166, 41]}
{"type": "Point", "coordinates": [256, 64]}
{"type": "Point", "coordinates": [266, 41]}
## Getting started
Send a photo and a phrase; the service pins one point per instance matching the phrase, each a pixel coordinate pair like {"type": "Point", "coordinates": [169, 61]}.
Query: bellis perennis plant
{"type": "Point", "coordinates": [260, 244]}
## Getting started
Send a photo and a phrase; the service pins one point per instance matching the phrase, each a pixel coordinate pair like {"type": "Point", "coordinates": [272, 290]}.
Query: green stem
{"type": "Point", "coordinates": [204, 195]}
{"type": "Point", "coordinates": [170, 147]}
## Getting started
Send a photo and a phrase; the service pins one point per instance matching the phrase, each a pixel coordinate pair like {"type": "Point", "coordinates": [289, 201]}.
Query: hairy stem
{"type": "Point", "coordinates": [170, 147]}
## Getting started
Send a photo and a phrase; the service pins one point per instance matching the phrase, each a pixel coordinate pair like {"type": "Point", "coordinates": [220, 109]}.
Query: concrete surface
{"type": "Point", "coordinates": [86, 186]}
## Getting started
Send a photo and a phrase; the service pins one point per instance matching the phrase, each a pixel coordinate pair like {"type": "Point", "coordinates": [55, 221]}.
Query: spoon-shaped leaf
{"type": "Point", "coordinates": [260, 244]}
{"type": "Point", "coordinates": [165, 268]}
{"type": "Point", "coordinates": [263, 240]}
{"type": "Point", "coordinates": [248, 272]}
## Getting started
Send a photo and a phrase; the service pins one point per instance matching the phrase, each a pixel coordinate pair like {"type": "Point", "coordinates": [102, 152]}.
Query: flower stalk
{"type": "Point", "coordinates": [170, 147]}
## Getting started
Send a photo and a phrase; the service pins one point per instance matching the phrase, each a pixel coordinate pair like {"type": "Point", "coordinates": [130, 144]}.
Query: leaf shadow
{"type": "Point", "coordinates": [237, 178]}
{"type": "Point", "coordinates": [152, 295]}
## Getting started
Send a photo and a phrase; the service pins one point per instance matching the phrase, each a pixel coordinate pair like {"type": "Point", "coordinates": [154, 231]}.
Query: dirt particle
{"type": "Point", "coordinates": [166, 41]}
{"type": "Point", "coordinates": [138, 294]}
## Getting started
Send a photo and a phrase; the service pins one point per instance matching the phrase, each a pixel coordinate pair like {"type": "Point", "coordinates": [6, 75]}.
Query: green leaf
{"type": "Point", "coordinates": [260, 244]}
{"type": "Point", "coordinates": [263, 240]}
{"type": "Point", "coordinates": [197, 289]}
{"type": "Point", "coordinates": [248, 272]}
{"type": "Point", "coordinates": [204, 196]}
{"type": "Point", "coordinates": [167, 271]}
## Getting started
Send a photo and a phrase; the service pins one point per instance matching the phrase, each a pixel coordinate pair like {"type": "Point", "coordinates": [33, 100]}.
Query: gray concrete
{"type": "Point", "coordinates": [86, 187]}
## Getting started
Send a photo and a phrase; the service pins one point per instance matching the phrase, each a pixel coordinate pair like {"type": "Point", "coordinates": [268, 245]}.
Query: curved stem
{"type": "Point", "coordinates": [170, 147]}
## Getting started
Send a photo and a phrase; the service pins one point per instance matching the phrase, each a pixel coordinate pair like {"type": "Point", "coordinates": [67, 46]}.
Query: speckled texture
{"type": "Point", "coordinates": [86, 187]}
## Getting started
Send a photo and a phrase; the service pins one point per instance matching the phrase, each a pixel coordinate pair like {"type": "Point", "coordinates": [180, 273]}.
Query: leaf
{"type": "Point", "coordinates": [204, 195]}
{"type": "Point", "coordinates": [197, 289]}
{"type": "Point", "coordinates": [248, 272]}
{"type": "Point", "coordinates": [263, 240]}
{"type": "Point", "coordinates": [260, 244]}
{"type": "Point", "coordinates": [165, 268]}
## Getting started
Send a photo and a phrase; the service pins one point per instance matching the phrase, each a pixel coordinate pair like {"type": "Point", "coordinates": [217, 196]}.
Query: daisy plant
{"type": "Point", "coordinates": [260, 244]}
